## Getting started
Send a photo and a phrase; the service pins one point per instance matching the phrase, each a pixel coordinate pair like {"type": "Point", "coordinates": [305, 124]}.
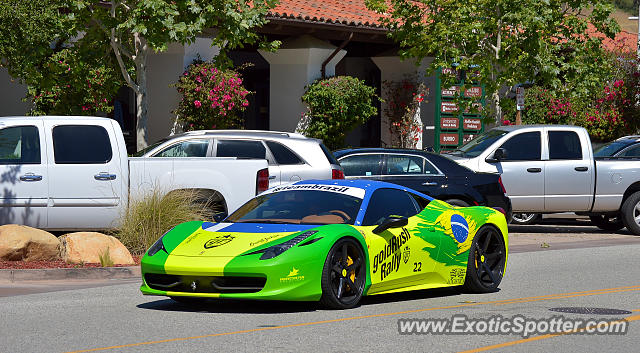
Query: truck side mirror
{"type": "Point", "coordinates": [499, 155]}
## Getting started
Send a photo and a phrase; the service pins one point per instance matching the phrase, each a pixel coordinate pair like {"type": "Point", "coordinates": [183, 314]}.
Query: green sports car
{"type": "Point", "coordinates": [332, 241]}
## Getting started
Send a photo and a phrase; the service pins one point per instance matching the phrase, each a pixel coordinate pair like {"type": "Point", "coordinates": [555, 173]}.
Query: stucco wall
{"type": "Point", "coordinates": [163, 70]}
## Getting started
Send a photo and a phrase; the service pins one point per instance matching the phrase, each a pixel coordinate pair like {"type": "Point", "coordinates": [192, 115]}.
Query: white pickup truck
{"type": "Point", "coordinates": [65, 173]}
{"type": "Point", "coordinates": [551, 169]}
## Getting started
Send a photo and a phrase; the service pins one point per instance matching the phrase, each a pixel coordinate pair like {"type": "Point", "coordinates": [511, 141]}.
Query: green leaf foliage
{"type": "Point", "coordinates": [336, 106]}
{"type": "Point", "coordinates": [38, 47]}
{"type": "Point", "coordinates": [505, 42]}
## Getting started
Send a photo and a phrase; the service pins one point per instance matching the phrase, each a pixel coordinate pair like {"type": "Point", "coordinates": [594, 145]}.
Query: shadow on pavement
{"type": "Point", "coordinates": [229, 306]}
{"type": "Point", "coordinates": [563, 229]}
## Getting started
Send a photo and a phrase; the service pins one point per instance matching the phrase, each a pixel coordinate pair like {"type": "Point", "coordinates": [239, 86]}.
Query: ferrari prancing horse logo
{"type": "Point", "coordinates": [217, 241]}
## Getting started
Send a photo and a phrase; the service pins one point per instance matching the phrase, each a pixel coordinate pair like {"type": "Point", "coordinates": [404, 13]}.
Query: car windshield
{"type": "Point", "coordinates": [299, 207]}
{"type": "Point", "coordinates": [611, 148]}
{"type": "Point", "coordinates": [476, 146]}
{"type": "Point", "coordinates": [142, 152]}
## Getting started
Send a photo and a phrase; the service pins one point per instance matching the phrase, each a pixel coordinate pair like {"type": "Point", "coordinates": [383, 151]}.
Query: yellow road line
{"type": "Point", "coordinates": [550, 335]}
{"type": "Point", "coordinates": [495, 302]}
{"type": "Point", "coordinates": [569, 296]}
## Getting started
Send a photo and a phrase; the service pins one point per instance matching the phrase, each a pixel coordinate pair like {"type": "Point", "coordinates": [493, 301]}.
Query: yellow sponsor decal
{"type": "Point", "coordinates": [293, 276]}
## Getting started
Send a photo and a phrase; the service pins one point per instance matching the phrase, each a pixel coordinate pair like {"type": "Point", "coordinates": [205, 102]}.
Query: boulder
{"type": "Point", "coordinates": [22, 243]}
{"type": "Point", "coordinates": [87, 247]}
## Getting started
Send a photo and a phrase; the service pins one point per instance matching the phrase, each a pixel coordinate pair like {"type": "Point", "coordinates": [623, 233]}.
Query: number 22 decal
{"type": "Point", "coordinates": [417, 267]}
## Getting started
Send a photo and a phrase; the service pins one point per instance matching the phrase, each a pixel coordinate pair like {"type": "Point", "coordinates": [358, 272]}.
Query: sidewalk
{"type": "Point", "coordinates": [96, 273]}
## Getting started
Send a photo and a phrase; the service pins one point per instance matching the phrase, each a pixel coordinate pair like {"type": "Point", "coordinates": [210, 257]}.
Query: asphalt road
{"type": "Point", "coordinates": [116, 317]}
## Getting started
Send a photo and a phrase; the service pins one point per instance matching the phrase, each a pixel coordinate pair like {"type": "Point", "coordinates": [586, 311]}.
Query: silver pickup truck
{"type": "Point", "coordinates": [551, 169]}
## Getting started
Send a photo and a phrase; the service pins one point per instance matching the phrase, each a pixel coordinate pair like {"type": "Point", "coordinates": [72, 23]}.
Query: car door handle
{"type": "Point", "coordinates": [271, 177]}
{"type": "Point", "coordinates": [31, 177]}
{"type": "Point", "coordinates": [581, 169]}
{"type": "Point", "coordinates": [429, 183]}
{"type": "Point", "coordinates": [104, 176]}
{"type": "Point", "coordinates": [534, 170]}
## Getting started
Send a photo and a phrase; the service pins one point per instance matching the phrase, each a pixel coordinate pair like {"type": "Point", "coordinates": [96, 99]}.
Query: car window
{"type": "Point", "coordinates": [187, 148]}
{"type": "Point", "coordinates": [282, 154]}
{"type": "Point", "coordinates": [299, 207]}
{"type": "Point", "coordinates": [328, 154]}
{"type": "Point", "coordinates": [362, 164]}
{"type": "Point", "coordinates": [523, 147]}
{"type": "Point", "coordinates": [480, 143]}
{"type": "Point", "coordinates": [405, 164]}
{"type": "Point", "coordinates": [389, 202]}
{"type": "Point", "coordinates": [564, 145]}
{"type": "Point", "coordinates": [241, 149]}
{"type": "Point", "coordinates": [81, 144]}
{"type": "Point", "coordinates": [633, 151]}
{"type": "Point", "coordinates": [19, 145]}
{"type": "Point", "coordinates": [610, 149]}
{"type": "Point", "coordinates": [421, 201]}
{"type": "Point", "coordinates": [144, 151]}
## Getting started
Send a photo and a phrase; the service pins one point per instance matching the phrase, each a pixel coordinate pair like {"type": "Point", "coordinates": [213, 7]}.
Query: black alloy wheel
{"type": "Point", "coordinates": [344, 274]}
{"type": "Point", "coordinates": [487, 258]}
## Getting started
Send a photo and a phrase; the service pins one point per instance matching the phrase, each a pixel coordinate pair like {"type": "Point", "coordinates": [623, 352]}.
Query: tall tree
{"type": "Point", "coordinates": [135, 27]}
{"type": "Point", "coordinates": [502, 43]}
{"type": "Point", "coordinates": [63, 77]}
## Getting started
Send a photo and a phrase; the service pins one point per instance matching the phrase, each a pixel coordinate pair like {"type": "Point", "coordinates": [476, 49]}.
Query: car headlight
{"type": "Point", "coordinates": [275, 250]}
{"type": "Point", "coordinates": [158, 245]}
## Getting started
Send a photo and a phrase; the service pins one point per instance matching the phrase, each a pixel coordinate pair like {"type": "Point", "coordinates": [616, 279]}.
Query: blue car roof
{"type": "Point", "coordinates": [368, 185]}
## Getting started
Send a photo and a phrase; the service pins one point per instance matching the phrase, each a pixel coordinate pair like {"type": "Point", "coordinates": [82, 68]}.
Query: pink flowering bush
{"type": "Point", "coordinates": [605, 120]}
{"type": "Point", "coordinates": [74, 86]}
{"type": "Point", "coordinates": [604, 116]}
{"type": "Point", "coordinates": [212, 98]}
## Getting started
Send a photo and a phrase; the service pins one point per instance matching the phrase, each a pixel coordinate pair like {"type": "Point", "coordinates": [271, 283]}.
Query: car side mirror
{"type": "Point", "coordinates": [391, 222]}
{"type": "Point", "coordinates": [499, 155]}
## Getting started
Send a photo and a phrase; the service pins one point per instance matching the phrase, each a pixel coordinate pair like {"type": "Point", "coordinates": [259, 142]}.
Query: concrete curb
{"type": "Point", "coordinates": [49, 274]}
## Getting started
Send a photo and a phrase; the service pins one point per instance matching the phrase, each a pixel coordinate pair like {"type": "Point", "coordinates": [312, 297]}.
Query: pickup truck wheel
{"type": "Point", "coordinates": [607, 223]}
{"type": "Point", "coordinates": [525, 218]}
{"type": "Point", "coordinates": [631, 213]}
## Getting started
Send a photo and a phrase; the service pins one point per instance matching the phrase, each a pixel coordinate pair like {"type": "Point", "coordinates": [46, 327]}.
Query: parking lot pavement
{"type": "Point", "coordinates": [568, 234]}
{"type": "Point", "coordinates": [8, 289]}
{"type": "Point", "coordinates": [119, 319]}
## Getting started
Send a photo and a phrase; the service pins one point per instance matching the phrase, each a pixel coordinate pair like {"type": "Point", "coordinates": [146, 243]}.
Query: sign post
{"type": "Point", "coordinates": [519, 104]}
{"type": "Point", "coordinates": [455, 126]}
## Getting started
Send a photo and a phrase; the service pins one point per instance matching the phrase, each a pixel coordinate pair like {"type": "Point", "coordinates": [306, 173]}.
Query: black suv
{"type": "Point", "coordinates": [429, 173]}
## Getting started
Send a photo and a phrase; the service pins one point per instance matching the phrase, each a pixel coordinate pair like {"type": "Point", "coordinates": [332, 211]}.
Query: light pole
{"type": "Point", "coordinates": [638, 39]}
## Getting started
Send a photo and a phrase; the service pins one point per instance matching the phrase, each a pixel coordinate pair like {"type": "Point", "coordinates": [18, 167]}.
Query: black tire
{"type": "Point", "coordinates": [519, 218]}
{"type": "Point", "coordinates": [190, 301]}
{"type": "Point", "coordinates": [630, 213]}
{"type": "Point", "coordinates": [487, 258]}
{"type": "Point", "coordinates": [344, 275]}
{"type": "Point", "coordinates": [607, 223]}
{"type": "Point", "coordinates": [457, 202]}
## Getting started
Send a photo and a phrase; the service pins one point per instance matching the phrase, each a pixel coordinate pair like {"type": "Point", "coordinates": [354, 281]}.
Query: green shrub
{"type": "Point", "coordinates": [336, 106]}
{"type": "Point", "coordinates": [146, 219]}
{"type": "Point", "coordinates": [105, 258]}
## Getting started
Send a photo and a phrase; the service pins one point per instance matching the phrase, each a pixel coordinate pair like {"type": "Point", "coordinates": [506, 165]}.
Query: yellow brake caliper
{"type": "Point", "coordinates": [352, 275]}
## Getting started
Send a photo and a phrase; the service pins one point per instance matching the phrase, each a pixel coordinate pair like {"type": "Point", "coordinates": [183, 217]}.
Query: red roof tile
{"type": "Point", "coordinates": [355, 13]}
{"type": "Point", "coordinates": [346, 12]}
